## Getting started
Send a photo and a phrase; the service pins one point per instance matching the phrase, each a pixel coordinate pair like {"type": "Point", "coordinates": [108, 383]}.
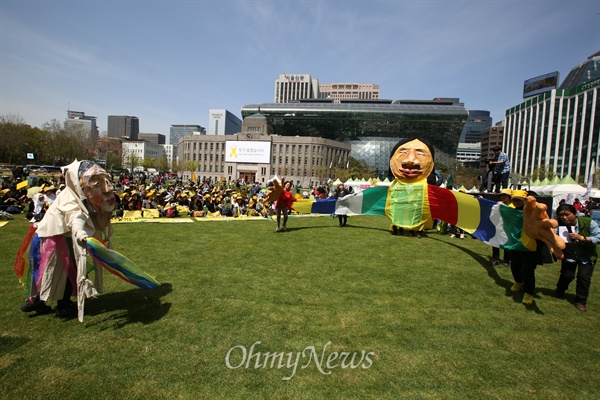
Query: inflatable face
{"type": "Point", "coordinates": [412, 162]}
{"type": "Point", "coordinates": [96, 185]}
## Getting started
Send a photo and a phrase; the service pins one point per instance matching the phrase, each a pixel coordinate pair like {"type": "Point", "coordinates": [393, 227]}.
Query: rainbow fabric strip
{"type": "Point", "coordinates": [493, 223]}
{"type": "Point", "coordinates": [22, 263]}
{"type": "Point", "coordinates": [119, 265]}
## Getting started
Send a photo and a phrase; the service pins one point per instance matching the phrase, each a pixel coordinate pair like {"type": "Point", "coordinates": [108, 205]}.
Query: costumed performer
{"type": "Point", "coordinates": [82, 210]}
{"type": "Point", "coordinates": [283, 198]}
{"type": "Point", "coordinates": [411, 163]}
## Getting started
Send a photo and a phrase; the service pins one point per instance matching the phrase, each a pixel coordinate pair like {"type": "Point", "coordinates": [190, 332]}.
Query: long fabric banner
{"type": "Point", "coordinates": [493, 223]}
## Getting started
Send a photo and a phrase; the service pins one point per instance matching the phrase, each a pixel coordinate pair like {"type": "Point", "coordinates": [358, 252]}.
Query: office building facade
{"type": "Point", "coordinates": [469, 144]}
{"type": "Point", "coordinates": [254, 155]}
{"type": "Point", "coordinates": [134, 152]}
{"type": "Point", "coordinates": [123, 126]}
{"type": "Point", "coordinates": [558, 130]}
{"type": "Point", "coordinates": [176, 132]}
{"type": "Point", "coordinates": [78, 122]}
{"type": "Point", "coordinates": [491, 137]}
{"type": "Point", "coordinates": [343, 91]}
{"type": "Point", "coordinates": [289, 87]}
{"type": "Point", "coordinates": [223, 122]}
{"type": "Point", "coordinates": [362, 123]}
{"type": "Point", "coordinates": [155, 138]}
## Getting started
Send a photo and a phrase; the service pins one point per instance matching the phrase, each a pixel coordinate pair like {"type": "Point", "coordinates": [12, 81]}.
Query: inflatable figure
{"type": "Point", "coordinates": [412, 203]}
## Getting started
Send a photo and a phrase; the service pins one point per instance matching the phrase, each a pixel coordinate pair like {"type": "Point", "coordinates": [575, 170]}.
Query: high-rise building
{"type": "Point", "coordinates": [342, 91]}
{"type": "Point", "coordinates": [491, 138]}
{"type": "Point", "coordinates": [178, 131]}
{"type": "Point", "coordinates": [558, 130]}
{"type": "Point", "coordinates": [223, 122]}
{"type": "Point", "coordinates": [156, 138]}
{"type": "Point", "coordinates": [289, 87]}
{"type": "Point", "coordinates": [123, 126]}
{"type": "Point", "coordinates": [477, 122]}
{"type": "Point", "coordinates": [469, 143]}
{"type": "Point", "coordinates": [77, 121]}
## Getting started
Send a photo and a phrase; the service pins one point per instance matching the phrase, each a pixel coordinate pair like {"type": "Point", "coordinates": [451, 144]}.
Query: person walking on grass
{"type": "Point", "coordinates": [524, 263]}
{"type": "Point", "coordinates": [340, 192]}
{"type": "Point", "coordinates": [283, 205]}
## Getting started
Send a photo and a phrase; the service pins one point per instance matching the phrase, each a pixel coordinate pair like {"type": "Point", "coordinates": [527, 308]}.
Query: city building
{"type": "Point", "coordinates": [469, 144]}
{"type": "Point", "coordinates": [223, 122]}
{"type": "Point", "coordinates": [362, 123]}
{"type": "Point", "coordinates": [477, 122]}
{"type": "Point", "coordinates": [254, 155]}
{"type": "Point", "coordinates": [290, 87]}
{"type": "Point", "coordinates": [78, 122]}
{"type": "Point", "coordinates": [491, 137]}
{"type": "Point", "coordinates": [469, 154]}
{"type": "Point", "coordinates": [134, 153]}
{"type": "Point", "coordinates": [342, 91]}
{"type": "Point", "coordinates": [156, 138]}
{"type": "Point", "coordinates": [178, 131]}
{"type": "Point", "coordinates": [558, 130]}
{"type": "Point", "coordinates": [123, 126]}
{"type": "Point", "coordinates": [168, 149]}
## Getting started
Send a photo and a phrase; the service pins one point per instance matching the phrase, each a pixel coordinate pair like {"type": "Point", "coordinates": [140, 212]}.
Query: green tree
{"type": "Point", "coordinates": [18, 139]}
{"type": "Point", "coordinates": [131, 161]}
{"type": "Point", "coordinates": [113, 161]}
{"type": "Point", "coordinates": [190, 166]}
{"type": "Point", "coordinates": [463, 176]}
{"type": "Point", "coordinates": [149, 163]}
{"type": "Point", "coordinates": [163, 164]}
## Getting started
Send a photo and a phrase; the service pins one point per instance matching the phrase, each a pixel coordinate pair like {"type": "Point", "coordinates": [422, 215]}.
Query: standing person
{"type": "Point", "coordinates": [505, 198]}
{"type": "Point", "coordinates": [487, 178]}
{"type": "Point", "coordinates": [340, 192]}
{"type": "Point", "coordinates": [283, 205]}
{"type": "Point", "coordinates": [524, 263]}
{"type": "Point", "coordinates": [81, 211]}
{"type": "Point", "coordinates": [580, 254]}
{"type": "Point", "coordinates": [501, 170]}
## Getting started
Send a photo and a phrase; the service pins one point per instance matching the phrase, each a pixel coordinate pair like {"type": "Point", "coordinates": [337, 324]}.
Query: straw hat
{"type": "Point", "coordinates": [519, 194]}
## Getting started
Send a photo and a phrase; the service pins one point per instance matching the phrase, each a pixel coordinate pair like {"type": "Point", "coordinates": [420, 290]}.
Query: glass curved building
{"type": "Point", "coordinates": [370, 126]}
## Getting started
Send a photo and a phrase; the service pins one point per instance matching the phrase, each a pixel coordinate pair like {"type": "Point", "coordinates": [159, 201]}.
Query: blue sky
{"type": "Point", "coordinates": [169, 62]}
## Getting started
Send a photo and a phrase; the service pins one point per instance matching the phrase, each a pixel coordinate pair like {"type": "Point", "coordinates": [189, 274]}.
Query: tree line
{"type": "Point", "coordinates": [51, 144]}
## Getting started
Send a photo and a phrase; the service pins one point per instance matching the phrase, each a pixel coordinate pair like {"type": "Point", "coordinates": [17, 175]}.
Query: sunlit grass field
{"type": "Point", "coordinates": [244, 313]}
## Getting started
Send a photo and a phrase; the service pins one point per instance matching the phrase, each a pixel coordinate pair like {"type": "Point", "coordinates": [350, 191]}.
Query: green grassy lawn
{"type": "Point", "coordinates": [435, 320]}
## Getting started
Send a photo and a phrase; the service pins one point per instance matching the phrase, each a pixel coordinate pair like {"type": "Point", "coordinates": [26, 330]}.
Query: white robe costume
{"type": "Point", "coordinates": [69, 216]}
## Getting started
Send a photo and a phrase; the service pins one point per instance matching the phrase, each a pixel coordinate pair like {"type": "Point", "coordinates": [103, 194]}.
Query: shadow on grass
{"type": "Point", "coordinates": [133, 306]}
{"type": "Point", "coordinates": [484, 262]}
{"type": "Point", "coordinates": [493, 273]}
{"type": "Point", "coordinates": [10, 343]}
{"type": "Point", "coordinates": [336, 226]}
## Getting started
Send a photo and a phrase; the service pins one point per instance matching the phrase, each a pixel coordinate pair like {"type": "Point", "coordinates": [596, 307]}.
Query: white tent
{"type": "Point", "coordinates": [567, 192]}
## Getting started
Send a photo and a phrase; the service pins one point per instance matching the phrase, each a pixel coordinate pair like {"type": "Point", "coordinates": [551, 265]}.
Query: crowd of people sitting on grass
{"type": "Point", "coordinates": [138, 192]}
{"type": "Point", "coordinates": [176, 198]}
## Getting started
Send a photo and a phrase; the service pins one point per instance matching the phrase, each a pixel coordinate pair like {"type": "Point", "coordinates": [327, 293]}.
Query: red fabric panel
{"type": "Point", "coordinates": [443, 204]}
